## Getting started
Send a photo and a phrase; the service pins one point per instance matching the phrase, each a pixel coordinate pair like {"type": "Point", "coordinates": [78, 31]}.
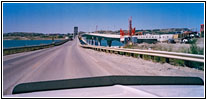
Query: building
{"type": "Point", "coordinates": [202, 30]}
{"type": "Point", "coordinates": [161, 38]}
{"type": "Point", "coordinates": [75, 31]}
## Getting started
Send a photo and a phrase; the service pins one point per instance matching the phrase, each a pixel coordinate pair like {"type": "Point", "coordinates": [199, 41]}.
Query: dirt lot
{"type": "Point", "coordinates": [184, 48]}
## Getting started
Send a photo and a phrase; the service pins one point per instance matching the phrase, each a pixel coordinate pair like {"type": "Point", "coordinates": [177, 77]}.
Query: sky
{"type": "Point", "coordinates": [62, 17]}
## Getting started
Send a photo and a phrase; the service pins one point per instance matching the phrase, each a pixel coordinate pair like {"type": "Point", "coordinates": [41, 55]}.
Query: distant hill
{"type": "Point", "coordinates": [22, 34]}
{"type": "Point", "coordinates": [148, 31]}
{"type": "Point", "coordinates": [32, 36]}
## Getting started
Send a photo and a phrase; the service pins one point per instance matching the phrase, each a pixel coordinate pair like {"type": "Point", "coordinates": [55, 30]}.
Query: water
{"type": "Point", "coordinates": [20, 43]}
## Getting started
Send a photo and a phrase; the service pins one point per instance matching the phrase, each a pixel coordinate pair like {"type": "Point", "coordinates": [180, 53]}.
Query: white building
{"type": "Point", "coordinates": [66, 37]}
{"type": "Point", "coordinates": [160, 38]}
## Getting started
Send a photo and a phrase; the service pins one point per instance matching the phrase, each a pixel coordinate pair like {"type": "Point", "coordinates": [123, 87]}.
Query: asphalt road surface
{"type": "Point", "coordinates": [61, 62]}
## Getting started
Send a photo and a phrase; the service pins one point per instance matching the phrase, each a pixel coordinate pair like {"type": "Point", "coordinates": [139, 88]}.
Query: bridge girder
{"type": "Point", "coordinates": [99, 38]}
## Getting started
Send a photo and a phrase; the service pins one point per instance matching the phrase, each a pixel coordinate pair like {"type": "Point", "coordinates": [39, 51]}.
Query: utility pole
{"type": "Point", "coordinates": [130, 26]}
{"type": "Point", "coordinates": [130, 29]}
{"type": "Point", "coordinates": [96, 28]}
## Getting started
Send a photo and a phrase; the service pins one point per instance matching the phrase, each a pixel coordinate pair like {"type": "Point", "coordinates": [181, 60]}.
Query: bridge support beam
{"type": "Point", "coordinates": [89, 40]}
{"type": "Point", "coordinates": [99, 41]}
{"type": "Point", "coordinates": [96, 41]}
{"type": "Point", "coordinates": [109, 42]}
{"type": "Point", "coordinates": [92, 41]}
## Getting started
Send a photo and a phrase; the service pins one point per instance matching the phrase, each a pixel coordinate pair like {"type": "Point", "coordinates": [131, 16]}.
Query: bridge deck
{"type": "Point", "coordinates": [104, 35]}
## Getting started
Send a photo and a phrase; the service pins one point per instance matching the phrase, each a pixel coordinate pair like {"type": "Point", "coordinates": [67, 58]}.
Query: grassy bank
{"type": "Point", "coordinates": [182, 48]}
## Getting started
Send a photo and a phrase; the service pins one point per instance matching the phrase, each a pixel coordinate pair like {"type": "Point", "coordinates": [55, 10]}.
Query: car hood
{"type": "Point", "coordinates": [143, 91]}
{"type": "Point", "coordinates": [114, 86]}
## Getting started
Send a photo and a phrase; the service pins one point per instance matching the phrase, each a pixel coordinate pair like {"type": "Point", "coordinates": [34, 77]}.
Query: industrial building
{"type": "Point", "coordinates": [161, 38]}
{"type": "Point", "coordinates": [202, 30]}
{"type": "Point", "coordinates": [139, 38]}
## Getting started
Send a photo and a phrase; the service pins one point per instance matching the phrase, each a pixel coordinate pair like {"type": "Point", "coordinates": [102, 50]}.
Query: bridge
{"type": "Point", "coordinates": [90, 37]}
{"type": "Point", "coordinates": [70, 61]}
{"type": "Point", "coordinates": [96, 36]}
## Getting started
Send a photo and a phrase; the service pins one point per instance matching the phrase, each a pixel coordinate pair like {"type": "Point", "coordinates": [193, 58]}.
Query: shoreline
{"type": "Point", "coordinates": [14, 50]}
{"type": "Point", "coordinates": [33, 39]}
{"type": "Point", "coordinates": [29, 45]}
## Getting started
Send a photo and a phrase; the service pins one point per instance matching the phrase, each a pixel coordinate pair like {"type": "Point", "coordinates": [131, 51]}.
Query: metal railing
{"type": "Point", "coordinates": [174, 55]}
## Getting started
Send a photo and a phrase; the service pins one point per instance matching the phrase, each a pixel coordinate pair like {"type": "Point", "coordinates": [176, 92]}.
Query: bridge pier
{"type": "Point", "coordinates": [109, 42]}
{"type": "Point", "coordinates": [96, 41]}
{"type": "Point", "coordinates": [99, 41]}
{"type": "Point", "coordinates": [92, 42]}
{"type": "Point", "coordinates": [88, 40]}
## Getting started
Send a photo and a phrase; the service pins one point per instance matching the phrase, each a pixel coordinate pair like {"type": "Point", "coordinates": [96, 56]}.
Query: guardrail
{"type": "Point", "coordinates": [8, 51]}
{"type": "Point", "coordinates": [174, 55]}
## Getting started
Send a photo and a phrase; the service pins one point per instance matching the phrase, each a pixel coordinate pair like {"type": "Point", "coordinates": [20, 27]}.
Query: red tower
{"type": "Point", "coordinates": [130, 26]}
{"type": "Point", "coordinates": [202, 28]}
{"type": "Point", "coordinates": [131, 30]}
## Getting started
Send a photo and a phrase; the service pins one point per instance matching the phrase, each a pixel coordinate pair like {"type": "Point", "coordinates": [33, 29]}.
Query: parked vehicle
{"type": "Point", "coordinates": [186, 39]}
{"type": "Point", "coordinates": [171, 41]}
{"type": "Point", "coordinates": [194, 35]}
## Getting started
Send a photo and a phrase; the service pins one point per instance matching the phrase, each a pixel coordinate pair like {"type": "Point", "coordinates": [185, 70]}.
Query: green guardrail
{"type": "Point", "coordinates": [8, 51]}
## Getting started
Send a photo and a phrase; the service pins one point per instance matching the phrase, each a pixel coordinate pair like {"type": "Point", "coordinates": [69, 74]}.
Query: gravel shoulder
{"type": "Point", "coordinates": [134, 66]}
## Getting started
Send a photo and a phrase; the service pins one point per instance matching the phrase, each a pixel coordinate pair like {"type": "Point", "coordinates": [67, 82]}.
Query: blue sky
{"type": "Point", "coordinates": [62, 17]}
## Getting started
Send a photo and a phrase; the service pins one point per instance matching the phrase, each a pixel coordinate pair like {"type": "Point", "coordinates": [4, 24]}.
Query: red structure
{"type": "Point", "coordinates": [131, 31]}
{"type": "Point", "coordinates": [202, 28]}
{"type": "Point", "coordinates": [130, 26]}
{"type": "Point", "coordinates": [122, 32]}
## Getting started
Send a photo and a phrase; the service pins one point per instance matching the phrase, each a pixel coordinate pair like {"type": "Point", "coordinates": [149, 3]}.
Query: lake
{"type": "Point", "coordinates": [20, 43]}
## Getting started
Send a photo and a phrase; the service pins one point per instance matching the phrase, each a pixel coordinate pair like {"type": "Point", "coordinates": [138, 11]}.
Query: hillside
{"type": "Point", "coordinates": [147, 31]}
{"type": "Point", "coordinates": [32, 36]}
